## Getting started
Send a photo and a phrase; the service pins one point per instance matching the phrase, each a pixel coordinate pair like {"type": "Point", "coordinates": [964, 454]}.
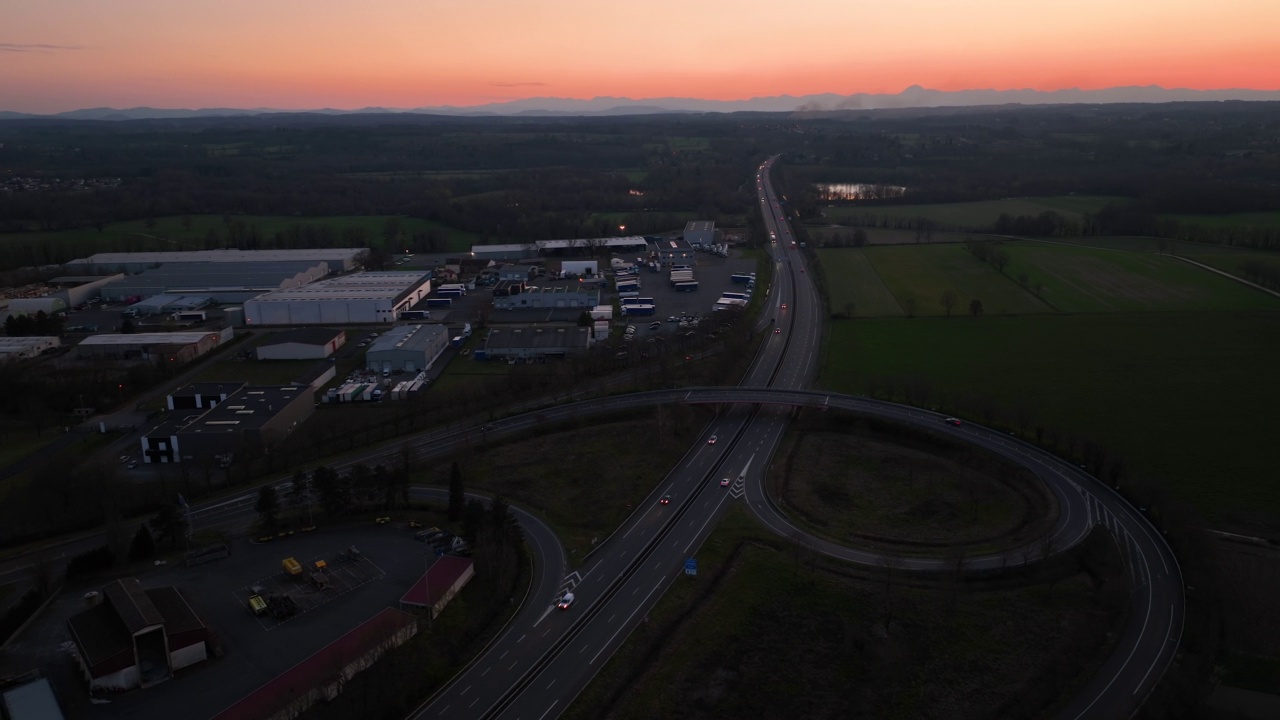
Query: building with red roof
{"type": "Point", "coordinates": [444, 579]}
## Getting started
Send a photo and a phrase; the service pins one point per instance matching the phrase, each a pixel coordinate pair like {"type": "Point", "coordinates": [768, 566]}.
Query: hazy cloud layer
{"type": "Point", "coordinates": [518, 84]}
{"type": "Point", "coordinates": [36, 47]}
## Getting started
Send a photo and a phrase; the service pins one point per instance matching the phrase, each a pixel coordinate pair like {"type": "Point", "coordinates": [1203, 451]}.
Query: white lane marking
{"type": "Point", "coordinates": [464, 690]}
{"type": "Point", "coordinates": [623, 624]}
{"type": "Point", "coordinates": [548, 712]}
{"type": "Point", "coordinates": [1146, 618]}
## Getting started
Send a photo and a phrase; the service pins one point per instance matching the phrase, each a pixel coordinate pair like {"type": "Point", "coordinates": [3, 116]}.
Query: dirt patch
{"type": "Point", "coordinates": [870, 488]}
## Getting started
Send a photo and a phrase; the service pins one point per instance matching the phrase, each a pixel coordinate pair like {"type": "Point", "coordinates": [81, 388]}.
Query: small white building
{"type": "Point", "coordinates": [14, 348]}
{"type": "Point", "coordinates": [580, 267]}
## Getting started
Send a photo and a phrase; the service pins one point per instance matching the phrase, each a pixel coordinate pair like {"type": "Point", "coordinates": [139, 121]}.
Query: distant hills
{"type": "Point", "coordinates": [913, 97]}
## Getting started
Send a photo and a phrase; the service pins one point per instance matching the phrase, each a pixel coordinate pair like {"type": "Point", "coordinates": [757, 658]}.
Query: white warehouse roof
{"type": "Point", "coordinates": [383, 285]}
{"type": "Point", "coordinates": [160, 338]}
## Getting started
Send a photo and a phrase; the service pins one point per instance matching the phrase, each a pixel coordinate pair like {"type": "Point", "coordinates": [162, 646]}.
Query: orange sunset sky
{"type": "Point", "coordinates": [58, 55]}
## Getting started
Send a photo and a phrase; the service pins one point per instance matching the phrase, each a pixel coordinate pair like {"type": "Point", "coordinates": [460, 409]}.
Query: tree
{"type": "Point", "coordinates": [909, 304]}
{"type": "Point", "coordinates": [859, 237]}
{"type": "Point", "coordinates": [268, 505]}
{"type": "Point", "coordinates": [457, 493]}
{"type": "Point", "coordinates": [975, 307]}
{"type": "Point", "coordinates": [333, 490]}
{"type": "Point", "coordinates": [169, 524]}
{"type": "Point", "coordinates": [949, 299]}
{"type": "Point", "coordinates": [127, 327]}
{"type": "Point", "coordinates": [143, 546]}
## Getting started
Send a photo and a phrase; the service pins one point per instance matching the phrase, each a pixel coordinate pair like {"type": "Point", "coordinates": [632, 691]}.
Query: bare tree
{"type": "Point", "coordinates": [909, 304]}
{"type": "Point", "coordinates": [948, 300]}
{"type": "Point", "coordinates": [975, 307]}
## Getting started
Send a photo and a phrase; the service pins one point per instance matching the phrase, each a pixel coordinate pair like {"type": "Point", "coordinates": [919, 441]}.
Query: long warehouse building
{"type": "Point", "coordinates": [367, 297]}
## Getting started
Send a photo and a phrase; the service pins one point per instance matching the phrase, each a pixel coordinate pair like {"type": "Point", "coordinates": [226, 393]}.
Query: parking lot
{"type": "Point", "coordinates": [322, 579]}
{"type": "Point", "coordinates": [251, 650]}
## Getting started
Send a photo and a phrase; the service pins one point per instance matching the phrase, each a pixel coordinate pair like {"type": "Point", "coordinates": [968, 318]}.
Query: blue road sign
{"type": "Point", "coordinates": [690, 566]}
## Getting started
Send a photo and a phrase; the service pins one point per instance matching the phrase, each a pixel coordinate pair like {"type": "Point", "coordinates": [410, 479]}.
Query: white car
{"type": "Point", "coordinates": [565, 601]}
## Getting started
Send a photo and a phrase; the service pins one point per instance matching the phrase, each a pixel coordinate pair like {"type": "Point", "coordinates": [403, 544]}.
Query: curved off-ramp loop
{"type": "Point", "coordinates": [1148, 643]}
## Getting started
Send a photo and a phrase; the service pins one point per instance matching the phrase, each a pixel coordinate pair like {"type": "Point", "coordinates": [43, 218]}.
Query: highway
{"type": "Point", "coordinates": [539, 673]}
{"type": "Point", "coordinates": [545, 657]}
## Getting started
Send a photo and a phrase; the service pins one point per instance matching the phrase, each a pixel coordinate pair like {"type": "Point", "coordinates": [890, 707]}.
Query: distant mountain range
{"type": "Point", "coordinates": [913, 97]}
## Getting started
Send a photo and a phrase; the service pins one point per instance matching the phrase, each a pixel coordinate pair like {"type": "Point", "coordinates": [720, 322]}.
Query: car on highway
{"type": "Point", "coordinates": [565, 601]}
{"type": "Point", "coordinates": [666, 500]}
{"type": "Point", "coordinates": [725, 482]}
{"type": "Point", "coordinates": [784, 306]}
{"type": "Point", "coordinates": [712, 440]}
{"type": "Point", "coordinates": [777, 331]}
{"type": "Point", "coordinates": [952, 421]}
{"type": "Point", "coordinates": [124, 458]}
{"type": "Point", "coordinates": [132, 464]}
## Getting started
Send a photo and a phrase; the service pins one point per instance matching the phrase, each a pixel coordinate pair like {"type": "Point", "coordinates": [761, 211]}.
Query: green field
{"type": "Point", "coordinates": [1231, 263]}
{"type": "Point", "coordinates": [884, 236]}
{"type": "Point", "coordinates": [924, 272]}
{"type": "Point", "coordinates": [858, 284]}
{"type": "Point", "coordinates": [1231, 220]}
{"type": "Point", "coordinates": [1143, 244]}
{"type": "Point", "coordinates": [1076, 279]}
{"type": "Point", "coordinates": [880, 281]}
{"type": "Point", "coordinates": [1182, 397]}
{"type": "Point", "coordinates": [980, 213]}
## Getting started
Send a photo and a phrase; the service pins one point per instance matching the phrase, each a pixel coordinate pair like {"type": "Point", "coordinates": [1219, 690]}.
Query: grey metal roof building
{"type": "Point", "coordinates": [700, 232]}
{"type": "Point", "coordinates": [308, 343]}
{"type": "Point", "coordinates": [339, 259]}
{"type": "Point", "coordinates": [575, 295]}
{"type": "Point", "coordinates": [224, 282]}
{"type": "Point", "coordinates": [367, 297]}
{"type": "Point", "coordinates": [407, 347]}
{"type": "Point", "coordinates": [559, 247]}
{"type": "Point", "coordinates": [532, 342]}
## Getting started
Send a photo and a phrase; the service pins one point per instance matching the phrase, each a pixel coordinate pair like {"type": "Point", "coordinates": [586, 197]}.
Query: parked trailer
{"type": "Point", "coordinates": [415, 315]}
{"type": "Point", "coordinates": [439, 302]}
{"type": "Point", "coordinates": [639, 310]}
{"type": "Point", "coordinates": [687, 287]}
{"type": "Point", "coordinates": [742, 279]}
{"type": "Point", "coordinates": [638, 301]}
{"type": "Point", "coordinates": [455, 286]}
{"type": "Point", "coordinates": [629, 294]}
{"type": "Point", "coordinates": [735, 296]}
{"type": "Point", "coordinates": [449, 293]}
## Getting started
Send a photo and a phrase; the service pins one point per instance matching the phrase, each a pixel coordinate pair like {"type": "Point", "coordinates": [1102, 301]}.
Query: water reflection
{"type": "Point", "coordinates": [858, 191]}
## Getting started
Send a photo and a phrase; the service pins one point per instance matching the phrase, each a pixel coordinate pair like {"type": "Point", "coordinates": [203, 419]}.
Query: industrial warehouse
{"type": "Point", "coordinates": [407, 348]}
{"type": "Point", "coordinates": [368, 297]}
{"type": "Point", "coordinates": [224, 422]}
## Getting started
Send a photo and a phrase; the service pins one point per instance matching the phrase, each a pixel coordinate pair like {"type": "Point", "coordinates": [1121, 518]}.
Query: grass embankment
{"type": "Point", "coordinates": [1183, 398]}
{"type": "Point", "coordinates": [765, 630]}
{"type": "Point", "coordinates": [859, 483]}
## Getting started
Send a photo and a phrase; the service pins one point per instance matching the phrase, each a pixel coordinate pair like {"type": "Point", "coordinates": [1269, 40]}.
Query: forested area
{"type": "Point", "coordinates": [520, 179]}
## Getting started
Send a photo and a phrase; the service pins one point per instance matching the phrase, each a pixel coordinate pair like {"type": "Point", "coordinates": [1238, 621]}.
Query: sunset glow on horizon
{"type": "Point", "coordinates": [294, 54]}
